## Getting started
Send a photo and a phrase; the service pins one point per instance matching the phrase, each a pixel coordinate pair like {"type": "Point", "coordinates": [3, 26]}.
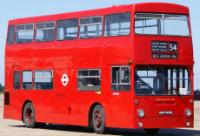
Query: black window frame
{"type": "Point", "coordinates": [105, 25]}
{"type": "Point", "coordinates": [172, 83]}
{"type": "Point", "coordinates": [32, 85]}
{"type": "Point", "coordinates": [25, 27]}
{"type": "Point", "coordinates": [118, 84]}
{"type": "Point", "coordinates": [11, 34]}
{"type": "Point", "coordinates": [34, 81]}
{"type": "Point", "coordinates": [17, 84]}
{"type": "Point", "coordinates": [161, 17]}
{"type": "Point", "coordinates": [88, 77]}
{"type": "Point", "coordinates": [57, 29]}
{"type": "Point", "coordinates": [90, 22]}
{"type": "Point", "coordinates": [45, 28]}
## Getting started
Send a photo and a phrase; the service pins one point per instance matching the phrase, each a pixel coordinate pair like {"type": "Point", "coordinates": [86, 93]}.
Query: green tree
{"type": "Point", "coordinates": [1, 87]}
{"type": "Point", "coordinates": [197, 90]}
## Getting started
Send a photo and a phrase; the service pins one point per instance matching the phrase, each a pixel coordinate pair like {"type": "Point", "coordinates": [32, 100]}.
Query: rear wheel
{"type": "Point", "coordinates": [152, 131]}
{"type": "Point", "coordinates": [98, 119]}
{"type": "Point", "coordinates": [29, 115]}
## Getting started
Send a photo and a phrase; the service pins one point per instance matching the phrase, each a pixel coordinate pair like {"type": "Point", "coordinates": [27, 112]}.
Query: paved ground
{"type": "Point", "coordinates": [16, 128]}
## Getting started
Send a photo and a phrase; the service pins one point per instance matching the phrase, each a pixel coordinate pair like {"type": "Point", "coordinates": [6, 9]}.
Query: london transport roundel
{"type": "Point", "coordinates": [64, 79]}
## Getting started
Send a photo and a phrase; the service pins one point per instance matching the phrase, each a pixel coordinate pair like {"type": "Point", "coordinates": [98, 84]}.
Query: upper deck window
{"type": "Point", "coordinates": [161, 24]}
{"type": "Point", "coordinates": [11, 35]}
{"type": "Point", "coordinates": [45, 31]}
{"type": "Point", "coordinates": [67, 29]}
{"type": "Point", "coordinates": [91, 27]}
{"type": "Point", "coordinates": [117, 24]}
{"type": "Point", "coordinates": [24, 33]}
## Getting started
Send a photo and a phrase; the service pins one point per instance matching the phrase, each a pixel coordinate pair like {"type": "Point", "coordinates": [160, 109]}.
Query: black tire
{"type": "Point", "coordinates": [29, 115]}
{"type": "Point", "coordinates": [40, 125]}
{"type": "Point", "coordinates": [98, 119]}
{"type": "Point", "coordinates": [152, 132]}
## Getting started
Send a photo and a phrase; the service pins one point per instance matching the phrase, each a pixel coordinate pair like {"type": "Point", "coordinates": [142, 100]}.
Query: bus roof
{"type": "Point", "coordinates": [158, 7]}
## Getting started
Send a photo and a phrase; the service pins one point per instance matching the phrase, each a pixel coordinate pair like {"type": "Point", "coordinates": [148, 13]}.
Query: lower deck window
{"type": "Point", "coordinates": [162, 81]}
{"type": "Point", "coordinates": [43, 80]}
{"type": "Point", "coordinates": [89, 79]}
{"type": "Point", "coordinates": [121, 78]}
{"type": "Point", "coordinates": [27, 80]}
{"type": "Point", "coordinates": [16, 80]}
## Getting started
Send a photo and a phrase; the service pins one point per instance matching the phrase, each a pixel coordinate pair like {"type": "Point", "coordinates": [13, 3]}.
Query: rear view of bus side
{"type": "Point", "coordinates": [127, 66]}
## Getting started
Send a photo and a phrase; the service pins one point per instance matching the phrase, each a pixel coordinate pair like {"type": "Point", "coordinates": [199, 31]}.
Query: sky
{"type": "Point", "coordinates": [10, 9]}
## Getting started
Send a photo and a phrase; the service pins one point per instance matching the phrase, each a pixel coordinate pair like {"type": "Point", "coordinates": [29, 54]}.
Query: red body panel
{"type": "Point", "coordinates": [67, 105]}
{"type": "Point", "coordinates": [175, 104]}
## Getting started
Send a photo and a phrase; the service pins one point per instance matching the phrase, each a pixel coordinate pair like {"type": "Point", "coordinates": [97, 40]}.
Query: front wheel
{"type": "Point", "coordinates": [152, 131]}
{"type": "Point", "coordinates": [98, 119]}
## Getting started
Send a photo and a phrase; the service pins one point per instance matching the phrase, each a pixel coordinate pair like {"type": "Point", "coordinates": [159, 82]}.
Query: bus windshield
{"type": "Point", "coordinates": [162, 81]}
{"type": "Point", "coordinates": [161, 24]}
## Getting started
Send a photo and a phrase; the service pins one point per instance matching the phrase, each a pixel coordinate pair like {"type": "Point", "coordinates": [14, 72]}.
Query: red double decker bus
{"type": "Point", "coordinates": [127, 66]}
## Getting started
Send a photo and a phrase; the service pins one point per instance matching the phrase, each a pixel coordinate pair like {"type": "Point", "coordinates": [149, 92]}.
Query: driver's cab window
{"type": "Point", "coordinates": [162, 81]}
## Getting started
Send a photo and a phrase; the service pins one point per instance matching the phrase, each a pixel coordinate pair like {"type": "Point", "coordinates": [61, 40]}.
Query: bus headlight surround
{"type": "Point", "coordinates": [141, 113]}
{"type": "Point", "coordinates": [188, 112]}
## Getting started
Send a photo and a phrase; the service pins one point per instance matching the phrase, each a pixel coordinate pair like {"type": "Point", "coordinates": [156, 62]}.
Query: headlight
{"type": "Point", "coordinates": [140, 113]}
{"type": "Point", "coordinates": [188, 112]}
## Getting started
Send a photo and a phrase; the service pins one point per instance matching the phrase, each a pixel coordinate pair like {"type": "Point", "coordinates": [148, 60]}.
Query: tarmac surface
{"type": "Point", "coordinates": [17, 128]}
